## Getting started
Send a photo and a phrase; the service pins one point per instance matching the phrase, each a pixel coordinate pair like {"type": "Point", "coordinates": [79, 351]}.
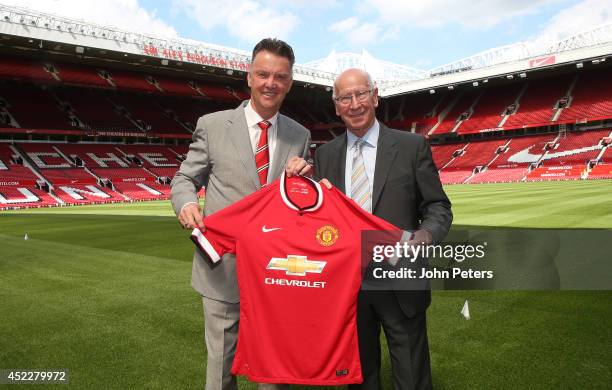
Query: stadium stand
{"type": "Point", "coordinates": [80, 75]}
{"type": "Point", "coordinates": [94, 110]}
{"type": "Point", "coordinates": [443, 154]}
{"type": "Point", "coordinates": [68, 176]}
{"type": "Point", "coordinates": [475, 154]}
{"type": "Point", "coordinates": [107, 130]}
{"type": "Point", "coordinates": [568, 159]}
{"type": "Point", "coordinates": [151, 156]}
{"type": "Point", "coordinates": [553, 156]}
{"type": "Point", "coordinates": [454, 177]}
{"type": "Point", "coordinates": [117, 168]}
{"type": "Point", "coordinates": [17, 68]}
{"type": "Point", "coordinates": [460, 105]}
{"type": "Point", "coordinates": [143, 191]}
{"type": "Point", "coordinates": [577, 148]}
{"type": "Point", "coordinates": [23, 197]}
{"type": "Point", "coordinates": [179, 149]}
{"type": "Point", "coordinates": [591, 98]}
{"type": "Point", "coordinates": [602, 171]}
{"type": "Point", "coordinates": [421, 108]}
{"type": "Point", "coordinates": [95, 156]}
{"type": "Point", "coordinates": [175, 86]}
{"type": "Point", "coordinates": [489, 109]}
{"type": "Point", "coordinates": [144, 112]}
{"type": "Point", "coordinates": [129, 80]}
{"type": "Point", "coordinates": [513, 161]}
{"type": "Point", "coordinates": [563, 172]}
{"type": "Point", "coordinates": [86, 194]}
{"type": "Point", "coordinates": [215, 92]}
{"type": "Point", "coordinates": [32, 107]}
{"type": "Point", "coordinates": [123, 174]}
{"type": "Point", "coordinates": [12, 173]}
{"type": "Point", "coordinates": [188, 110]}
{"type": "Point", "coordinates": [43, 155]}
{"type": "Point", "coordinates": [536, 106]}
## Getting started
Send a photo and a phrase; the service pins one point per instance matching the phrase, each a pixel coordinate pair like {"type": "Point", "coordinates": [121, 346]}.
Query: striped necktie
{"type": "Point", "coordinates": [262, 154]}
{"type": "Point", "coordinates": [360, 185]}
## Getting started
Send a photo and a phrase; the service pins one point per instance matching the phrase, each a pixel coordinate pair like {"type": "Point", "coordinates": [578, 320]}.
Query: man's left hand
{"type": "Point", "coordinates": [298, 166]}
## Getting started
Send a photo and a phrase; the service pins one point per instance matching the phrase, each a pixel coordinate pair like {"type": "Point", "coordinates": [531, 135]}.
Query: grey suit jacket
{"type": "Point", "coordinates": [406, 192]}
{"type": "Point", "coordinates": [221, 159]}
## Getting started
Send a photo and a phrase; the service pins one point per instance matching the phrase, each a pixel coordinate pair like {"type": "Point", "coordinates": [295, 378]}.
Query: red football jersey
{"type": "Point", "coordinates": [298, 250]}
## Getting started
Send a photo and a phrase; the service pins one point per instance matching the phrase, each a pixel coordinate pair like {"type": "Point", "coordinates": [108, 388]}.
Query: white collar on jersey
{"type": "Point", "coordinates": [292, 205]}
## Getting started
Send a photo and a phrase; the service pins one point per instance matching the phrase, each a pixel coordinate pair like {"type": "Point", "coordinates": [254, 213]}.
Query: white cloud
{"type": "Point", "coordinates": [249, 20]}
{"type": "Point", "coordinates": [124, 14]}
{"type": "Point", "coordinates": [570, 21]}
{"type": "Point", "coordinates": [380, 20]}
{"type": "Point", "coordinates": [363, 34]}
{"type": "Point", "coordinates": [356, 33]}
{"type": "Point", "coordinates": [480, 14]}
{"type": "Point", "coordinates": [344, 25]}
{"type": "Point", "coordinates": [305, 4]}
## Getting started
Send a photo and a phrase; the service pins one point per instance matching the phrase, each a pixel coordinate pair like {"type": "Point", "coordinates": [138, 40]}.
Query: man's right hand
{"type": "Point", "coordinates": [190, 216]}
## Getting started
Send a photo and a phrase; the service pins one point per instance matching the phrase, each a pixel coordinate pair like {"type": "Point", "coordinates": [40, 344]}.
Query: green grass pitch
{"type": "Point", "coordinates": [104, 292]}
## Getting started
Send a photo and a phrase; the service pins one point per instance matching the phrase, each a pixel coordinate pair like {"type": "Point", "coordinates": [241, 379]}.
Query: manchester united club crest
{"type": "Point", "coordinates": [327, 235]}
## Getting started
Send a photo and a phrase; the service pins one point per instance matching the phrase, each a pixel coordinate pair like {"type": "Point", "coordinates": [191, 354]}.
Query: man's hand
{"type": "Point", "coordinates": [326, 183]}
{"type": "Point", "coordinates": [413, 240]}
{"type": "Point", "coordinates": [191, 216]}
{"type": "Point", "coordinates": [421, 236]}
{"type": "Point", "coordinates": [298, 166]}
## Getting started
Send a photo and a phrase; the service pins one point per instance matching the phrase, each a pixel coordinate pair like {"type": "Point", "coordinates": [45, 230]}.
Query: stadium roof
{"type": "Point", "coordinates": [393, 79]}
{"type": "Point", "coordinates": [380, 70]}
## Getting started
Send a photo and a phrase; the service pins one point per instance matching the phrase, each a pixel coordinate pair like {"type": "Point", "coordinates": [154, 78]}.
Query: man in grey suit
{"type": "Point", "coordinates": [391, 174]}
{"type": "Point", "coordinates": [233, 154]}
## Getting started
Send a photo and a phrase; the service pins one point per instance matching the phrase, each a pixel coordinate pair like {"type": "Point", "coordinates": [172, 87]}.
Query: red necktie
{"type": "Point", "coordinates": [262, 154]}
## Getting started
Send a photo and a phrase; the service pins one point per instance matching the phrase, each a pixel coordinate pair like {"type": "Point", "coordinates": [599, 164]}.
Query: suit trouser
{"type": "Point", "coordinates": [406, 340]}
{"type": "Point", "coordinates": [221, 336]}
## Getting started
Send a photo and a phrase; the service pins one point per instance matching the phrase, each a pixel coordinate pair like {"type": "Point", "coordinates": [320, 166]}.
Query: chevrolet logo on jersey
{"type": "Point", "coordinates": [296, 265]}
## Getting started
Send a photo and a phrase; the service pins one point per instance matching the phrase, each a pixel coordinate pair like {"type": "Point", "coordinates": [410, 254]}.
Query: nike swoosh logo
{"type": "Point", "coordinates": [268, 230]}
{"type": "Point", "coordinates": [524, 156]}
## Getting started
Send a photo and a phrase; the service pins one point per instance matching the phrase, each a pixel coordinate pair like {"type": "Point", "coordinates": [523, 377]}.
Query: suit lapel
{"type": "Point", "coordinates": [239, 135]}
{"type": "Point", "coordinates": [338, 160]}
{"type": "Point", "coordinates": [385, 154]}
{"type": "Point", "coordinates": [281, 152]}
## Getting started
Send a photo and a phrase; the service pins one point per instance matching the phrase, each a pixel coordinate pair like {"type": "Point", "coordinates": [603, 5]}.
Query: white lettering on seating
{"type": "Point", "coordinates": [36, 157]}
{"type": "Point", "coordinates": [132, 179]}
{"type": "Point", "coordinates": [101, 161]}
{"type": "Point", "coordinates": [3, 167]}
{"type": "Point", "coordinates": [157, 159]}
{"type": "Point", "coordinates": [28, 197]}
{"type": "Point", "coordinates": [75, 193]}
{"type": "Point", "coordinates": [149, 189]}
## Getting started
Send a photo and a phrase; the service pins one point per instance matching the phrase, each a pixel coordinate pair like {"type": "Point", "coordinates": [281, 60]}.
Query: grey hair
{"type": "Point", "coordinates": [371, 84]}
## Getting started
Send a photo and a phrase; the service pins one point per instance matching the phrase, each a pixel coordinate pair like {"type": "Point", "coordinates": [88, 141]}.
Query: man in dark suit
{"type": "Point", "coordinates": [233, 154]}
{"type": "Point", "coordinates": [390, 173]}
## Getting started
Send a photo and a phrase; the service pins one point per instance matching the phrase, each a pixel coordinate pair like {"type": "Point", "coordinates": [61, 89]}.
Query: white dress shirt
{"type": "Point", "coordinates": [252, 120]}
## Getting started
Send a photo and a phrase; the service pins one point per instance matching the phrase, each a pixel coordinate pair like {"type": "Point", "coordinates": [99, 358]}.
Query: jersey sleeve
{"type": "Point", "coordinates": [224, 228]}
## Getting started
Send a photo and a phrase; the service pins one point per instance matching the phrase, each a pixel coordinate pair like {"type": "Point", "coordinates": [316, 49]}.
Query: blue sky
{"type": "Point", "coordinates": [422, 34]}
